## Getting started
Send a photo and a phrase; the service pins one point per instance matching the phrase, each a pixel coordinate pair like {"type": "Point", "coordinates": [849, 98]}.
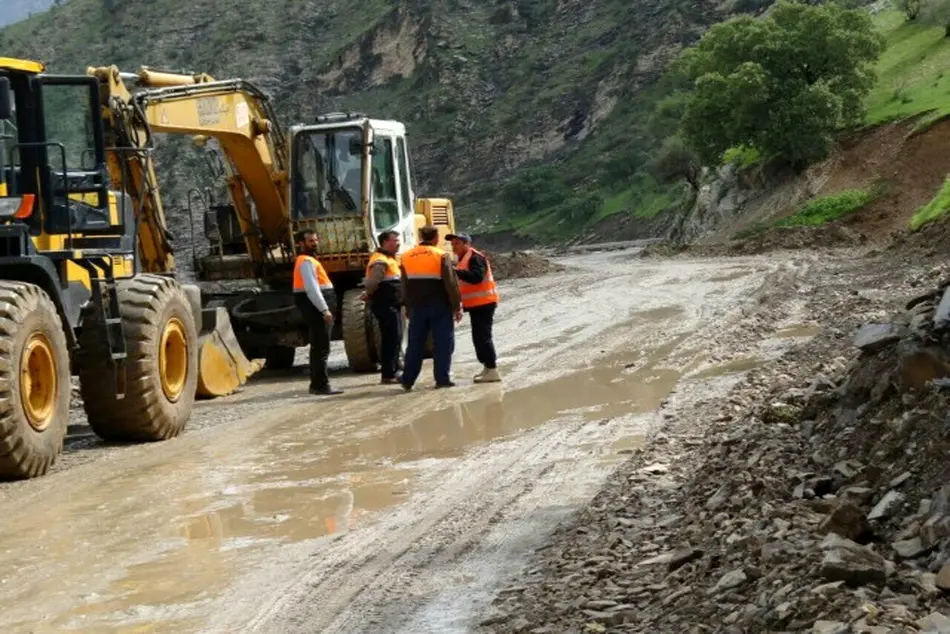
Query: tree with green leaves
{"type": "Point", "coordinates": [781, 84]}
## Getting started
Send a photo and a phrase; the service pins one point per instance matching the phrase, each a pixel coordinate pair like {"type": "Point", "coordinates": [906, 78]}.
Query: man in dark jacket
{"type": "Point", "coordinates": [430, 291]}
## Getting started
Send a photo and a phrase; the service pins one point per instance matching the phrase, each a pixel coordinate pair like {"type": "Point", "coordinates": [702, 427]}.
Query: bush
{"type": "Point", "coordinates": [675, 162]}
{"type": "Point", "coordinates": [742, 157]}
{"type": "Point", "coordinates": [933, 210]}
{"type": "Point", "coordinates": [828, 208]}
{"type": "Point", "coordinates": [782, 84]}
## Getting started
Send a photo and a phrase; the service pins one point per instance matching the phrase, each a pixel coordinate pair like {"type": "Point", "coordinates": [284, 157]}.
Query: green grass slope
{"type": "Point", "coordinates": [913, 71]}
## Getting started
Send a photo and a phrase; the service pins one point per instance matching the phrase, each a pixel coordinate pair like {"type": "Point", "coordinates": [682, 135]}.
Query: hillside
{"type": "Point", "coordinates": [16, 10]}
{"type": "Point", "coordinates": [488, 89]}
{"type": "Point", "coordinates": [885, 177]}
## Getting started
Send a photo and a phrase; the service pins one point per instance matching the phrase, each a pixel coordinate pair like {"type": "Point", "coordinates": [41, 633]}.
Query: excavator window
{"type": "Point", "coordinates": [385, 201]}
{"type": "Point", "coordinates": [404, 176]}
{"type": "Point", "coordinates": [326, 177]}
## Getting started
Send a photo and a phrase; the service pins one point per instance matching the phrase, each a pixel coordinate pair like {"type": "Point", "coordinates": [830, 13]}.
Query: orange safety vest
{"type": "Point", "coordinates": [423, 262]}
{"type": "Point", "coordinates": [392, 266]}
{"type": "Point", "coordinates": [323, 280]}
{"type": "Point", "coordinates": [485, 292]}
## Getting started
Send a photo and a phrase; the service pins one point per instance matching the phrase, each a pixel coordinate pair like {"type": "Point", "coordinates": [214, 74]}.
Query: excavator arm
{"type": "Point", "coordinates": [236, 114]}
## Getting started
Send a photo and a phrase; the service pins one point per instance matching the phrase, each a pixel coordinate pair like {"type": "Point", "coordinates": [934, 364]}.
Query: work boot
{"type": "Point", "coordinates": [325, 391]}
{"type": "Point", "coordinates": [390, 380]}
{"type": "Point", "coordinates": [489, 375]}
{"type": "Point", "coordinates": [440, 386]}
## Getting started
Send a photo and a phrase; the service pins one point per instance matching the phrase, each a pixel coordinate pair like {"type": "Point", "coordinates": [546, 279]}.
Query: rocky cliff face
{"type": "Point", "coordinates": [486, 88]}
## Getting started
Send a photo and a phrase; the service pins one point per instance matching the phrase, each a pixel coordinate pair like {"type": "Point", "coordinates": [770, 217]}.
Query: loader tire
{"type": "Point", "coordinates": [360, 333]}
{"type": "Point", "coordinates": [161, 367]}
{"type": "Point", "coordinates": [279, 357]}
{"type": "Point", "coordinates": [34, 381]}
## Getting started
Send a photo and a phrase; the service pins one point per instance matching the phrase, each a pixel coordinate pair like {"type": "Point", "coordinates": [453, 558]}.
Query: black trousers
{"type": "Point", "coordinates": [319, 342]}
{"type": "Point", "coordinates": [482, 319]}
{"type": "Point", "coordinates": [390, 328]}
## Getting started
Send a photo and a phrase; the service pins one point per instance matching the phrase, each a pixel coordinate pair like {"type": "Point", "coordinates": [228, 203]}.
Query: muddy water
{"type": "Point", "coordinates": [208, 527]}
{"type": "Point", "coordinates": [154, 539]}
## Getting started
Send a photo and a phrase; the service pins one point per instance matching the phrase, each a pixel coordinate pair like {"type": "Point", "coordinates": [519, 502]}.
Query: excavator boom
{"type": "Point", "coordinates": [238, 116]}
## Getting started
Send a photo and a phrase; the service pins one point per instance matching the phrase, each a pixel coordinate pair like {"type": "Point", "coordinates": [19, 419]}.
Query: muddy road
{"type": "Point", "coordinates": [379, 510]}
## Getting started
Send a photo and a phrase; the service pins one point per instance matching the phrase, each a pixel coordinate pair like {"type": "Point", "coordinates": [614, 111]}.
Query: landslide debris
{"type": "Point", "coordinates": [815, 498]}
{"type": "Point", "coordinates": [519, 264]}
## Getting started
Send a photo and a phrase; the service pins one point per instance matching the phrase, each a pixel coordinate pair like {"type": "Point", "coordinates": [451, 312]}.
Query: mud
{"type": "Point", "coordinates": [379, 510]}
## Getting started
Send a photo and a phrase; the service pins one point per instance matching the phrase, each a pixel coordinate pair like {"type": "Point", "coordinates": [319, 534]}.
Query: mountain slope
{"type": "Point", "coordinates": [16, 10]}
{"type": "Point", "coordinates": [486, 88]}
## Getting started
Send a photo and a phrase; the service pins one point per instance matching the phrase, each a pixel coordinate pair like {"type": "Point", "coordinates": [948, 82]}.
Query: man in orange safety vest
{"type": "Point", "coordinates": [315, 299]}
{"type": "Point", "coordinates": [479, 300]}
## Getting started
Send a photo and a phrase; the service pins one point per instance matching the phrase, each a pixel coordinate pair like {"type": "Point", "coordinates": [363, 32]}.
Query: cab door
{"type": "Point", "coordinates": [390, 195]}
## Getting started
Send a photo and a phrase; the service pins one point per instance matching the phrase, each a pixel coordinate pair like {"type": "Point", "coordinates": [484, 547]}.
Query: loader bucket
{"type": "Point", "coordinates": [222, 366]}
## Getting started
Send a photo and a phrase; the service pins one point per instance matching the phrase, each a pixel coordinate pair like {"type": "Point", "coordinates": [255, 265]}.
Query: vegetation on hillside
{"type": "Point", "coordinates": [539, 116]}
{"type": "Point", "coordinates": [782, 84]}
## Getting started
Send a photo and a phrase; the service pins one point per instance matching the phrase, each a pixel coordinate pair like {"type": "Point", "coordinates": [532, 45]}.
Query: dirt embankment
{"type": "Point", "coordinates": [815, 498]}
{"type": "Point", "coordinates": [906, 167]}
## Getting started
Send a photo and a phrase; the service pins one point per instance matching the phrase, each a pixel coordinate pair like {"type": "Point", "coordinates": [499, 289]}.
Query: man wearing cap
{"type": "Point", "coordinates": [479, 300]}
{"type": "Point", "coordinates": [430, 291]}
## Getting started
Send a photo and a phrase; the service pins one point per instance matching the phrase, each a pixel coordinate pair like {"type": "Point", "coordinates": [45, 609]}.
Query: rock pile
{"type": "Point", "coordinates": [816, 499]}
{"type": "Point", "coordinates": [519, 264]}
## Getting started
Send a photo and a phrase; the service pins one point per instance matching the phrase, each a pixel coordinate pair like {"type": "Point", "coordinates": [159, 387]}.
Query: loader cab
{"type": "Point", "coordinates": [347, 166]}
{"type": "Point", "coordinates": [53, 159]}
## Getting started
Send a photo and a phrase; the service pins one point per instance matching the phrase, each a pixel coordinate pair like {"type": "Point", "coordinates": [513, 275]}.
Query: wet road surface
{"type": "Point", "coordinates": [375, 510]}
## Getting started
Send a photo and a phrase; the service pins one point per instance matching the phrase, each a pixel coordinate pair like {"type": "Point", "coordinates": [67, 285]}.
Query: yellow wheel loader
{"type": "Point", "coordinates": [79, 294]}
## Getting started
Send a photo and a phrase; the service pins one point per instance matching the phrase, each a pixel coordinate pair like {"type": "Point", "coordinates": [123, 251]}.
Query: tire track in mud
{"type": "Point", "coordinates": [366, 585]}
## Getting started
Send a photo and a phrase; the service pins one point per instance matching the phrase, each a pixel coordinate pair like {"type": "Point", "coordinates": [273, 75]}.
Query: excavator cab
{"type": "Point", "coordinates": [350, 180]}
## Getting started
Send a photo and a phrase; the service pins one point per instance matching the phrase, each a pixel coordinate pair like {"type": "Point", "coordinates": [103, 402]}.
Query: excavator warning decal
{"type": "Point", "coordinates": [241, 114]}
{"type": "Point", "coordinates": [208, 111]}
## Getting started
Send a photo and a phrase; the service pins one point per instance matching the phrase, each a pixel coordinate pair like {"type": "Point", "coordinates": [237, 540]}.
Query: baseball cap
{"type": "Point", "coordinates": [464, 237]}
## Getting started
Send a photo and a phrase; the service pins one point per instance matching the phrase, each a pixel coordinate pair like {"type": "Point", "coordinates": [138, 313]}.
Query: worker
{"type": "Point", "coordinates": [430, 291]}
{"type": "Point", "coordinates": [383, 292]}
{"type": "Point", "coordinates": [314, 296]}
{"type": "Point", "coordinates": [479, 300]}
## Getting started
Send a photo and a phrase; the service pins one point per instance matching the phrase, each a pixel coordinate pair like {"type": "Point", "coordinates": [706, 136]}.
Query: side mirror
{"type": "Point", "coordinates": [6, 99]}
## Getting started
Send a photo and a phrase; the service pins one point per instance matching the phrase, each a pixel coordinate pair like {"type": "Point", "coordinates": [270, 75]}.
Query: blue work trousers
{"type": "Point", "coordinates": [439, 320]}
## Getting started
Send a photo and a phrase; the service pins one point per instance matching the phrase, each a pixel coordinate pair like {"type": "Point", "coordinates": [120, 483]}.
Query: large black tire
{"type": "Point", "coordinates": [158, 324]}
{"type": "Point", "coordinates": [360, 333]}
{"type": "Point", "coordinates": [34, 413]}
{"type": "Point", "coordinates": [279, 357]}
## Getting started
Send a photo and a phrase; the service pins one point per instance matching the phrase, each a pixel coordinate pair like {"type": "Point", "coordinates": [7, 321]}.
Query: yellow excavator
{"type": "Point", "coordinates": [346, 176]}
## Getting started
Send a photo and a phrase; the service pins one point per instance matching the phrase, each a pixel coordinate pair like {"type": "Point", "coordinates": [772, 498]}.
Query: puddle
{"type": "Point", "coordinates": [797, 330]}
{"type": "Point", "coordinates": [742, 364]}
{"type": "Point", "coordinates": [152, 543]}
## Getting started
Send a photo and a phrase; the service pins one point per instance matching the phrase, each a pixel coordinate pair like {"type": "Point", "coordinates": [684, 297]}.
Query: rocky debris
{"type": "Point", "coordinates": [814, 498]}
{"type": "Point", "coordinates": [519, 264]}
